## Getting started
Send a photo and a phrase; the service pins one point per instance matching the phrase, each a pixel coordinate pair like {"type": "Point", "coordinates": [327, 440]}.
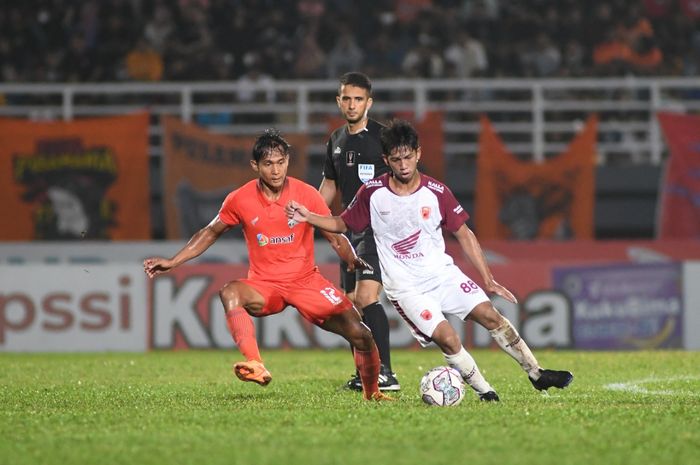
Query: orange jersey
{"type": "Point", "coordinates": [278, 249]}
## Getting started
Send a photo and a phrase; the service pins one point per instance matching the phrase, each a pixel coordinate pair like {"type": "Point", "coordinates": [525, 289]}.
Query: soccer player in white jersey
{"type": "Point", "coordinates": [407, 211]}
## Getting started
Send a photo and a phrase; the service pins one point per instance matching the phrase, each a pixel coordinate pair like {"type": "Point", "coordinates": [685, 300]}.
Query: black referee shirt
{"type": "Point", "coordinates": [353, 159]}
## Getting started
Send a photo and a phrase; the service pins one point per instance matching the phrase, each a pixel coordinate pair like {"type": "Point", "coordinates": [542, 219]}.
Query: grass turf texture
{"type": "Point", "coordinates": [187, 407]}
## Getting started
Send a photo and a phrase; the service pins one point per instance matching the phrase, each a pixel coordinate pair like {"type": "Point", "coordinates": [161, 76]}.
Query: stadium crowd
{"type": "Point", "coordinates": [175, 40]}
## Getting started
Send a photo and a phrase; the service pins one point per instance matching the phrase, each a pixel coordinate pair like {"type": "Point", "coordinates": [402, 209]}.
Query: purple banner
{"type": "Point", "coordinates": [624, 307]}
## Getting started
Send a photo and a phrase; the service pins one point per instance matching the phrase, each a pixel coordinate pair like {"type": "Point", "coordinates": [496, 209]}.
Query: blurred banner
{"type": "Point", "coordinates": [431, 138]}
{"type": "Point", "coordinates": [526, 200]}
{"type": "Point", "coordinates": [72, 180]}
{"type": "Point", "coordinates": [624, 306]}
{"type": "Point", "coordinates": [200, 168]}
{"type": "Point", "coordinates": [679, 205]}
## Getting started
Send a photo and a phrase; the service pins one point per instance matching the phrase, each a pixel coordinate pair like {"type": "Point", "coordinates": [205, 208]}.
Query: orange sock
{"type": "Point", "coordinates": [241, 327]}
{"type": "Point", "coordinates": [367, 364]}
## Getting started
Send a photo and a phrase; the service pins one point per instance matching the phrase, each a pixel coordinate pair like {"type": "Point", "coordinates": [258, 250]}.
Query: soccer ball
{"type": "Point", "coordinates": [442, 386]}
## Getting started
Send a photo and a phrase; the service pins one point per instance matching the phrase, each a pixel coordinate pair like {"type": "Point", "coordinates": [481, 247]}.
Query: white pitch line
{"type": "Point", "coordinates": [636, 386]}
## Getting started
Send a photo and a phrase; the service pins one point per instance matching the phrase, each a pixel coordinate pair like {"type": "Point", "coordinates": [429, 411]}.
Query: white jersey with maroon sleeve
{"type": "Point", "coordinates": [408, 231]}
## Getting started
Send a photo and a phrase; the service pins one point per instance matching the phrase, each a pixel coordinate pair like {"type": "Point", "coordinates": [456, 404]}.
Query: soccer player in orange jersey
{"type": "Point", "coordinates": [282, 268]}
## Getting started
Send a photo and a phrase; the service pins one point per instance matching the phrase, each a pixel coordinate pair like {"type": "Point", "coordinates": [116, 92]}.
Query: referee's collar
{"type": "Point", "coordinates": [347, 128]}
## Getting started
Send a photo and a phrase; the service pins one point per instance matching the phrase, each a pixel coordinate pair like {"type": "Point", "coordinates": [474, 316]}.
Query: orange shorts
{"type": "Point", "coordinates": [313, 296]}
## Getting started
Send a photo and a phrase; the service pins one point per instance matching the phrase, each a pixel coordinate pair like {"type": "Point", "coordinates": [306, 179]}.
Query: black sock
{"type": "Point", "coordinates": [374, 316]}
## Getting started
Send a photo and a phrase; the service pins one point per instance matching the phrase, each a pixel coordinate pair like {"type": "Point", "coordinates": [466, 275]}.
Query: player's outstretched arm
{"type": "Point", "coordinates": [472, 249]}
{"type": "Point", "coordinates": [198, 243]}
{"type": "Point", "coordinates": [301, 214]}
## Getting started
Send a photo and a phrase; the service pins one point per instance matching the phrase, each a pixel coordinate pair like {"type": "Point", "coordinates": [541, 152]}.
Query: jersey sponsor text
{"type": "Point", "coordinates": [436, 187]}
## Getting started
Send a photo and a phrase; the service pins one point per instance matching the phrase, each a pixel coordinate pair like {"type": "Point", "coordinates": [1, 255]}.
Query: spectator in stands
{"type": "Point", "coordinates": [160, 29]}
{"type": "Point", "coordinates": [254, 85]}
{"type": "Point", "coordinates": [573, 64]}
{"type": "Point", "coordinates": [191, 47]}
{"type": "Point", "coordinates": [143, 63]}
{"type": "Point", "coordinates": [690, 59]}
{"type": "Point", "coordinates": [115, 40]}
{"type": "Point", "coordinates": [386, 49]}
{"type": "Point", "coordinates": [78, 63]}
{"type": "Point", "coordinates": [544, 58]}
{"type": "Point", "coordinates": [423, 61]}
{"type": "Point", "coordinates": [310, 58]}
{"type": "Point", "coordinates": [293, 38]}
{"type": "Point", "coordinates": [467, 55]}
{"type": "Point", "coordinates": [407, 11]}
{"type": "Point", "coordinates": [345, 56]}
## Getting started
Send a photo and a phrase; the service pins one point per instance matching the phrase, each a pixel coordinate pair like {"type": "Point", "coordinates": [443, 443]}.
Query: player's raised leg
{"type": "Point", "coordinates": [240, 300]}
{"type": "Point", "coordinates": [508, 339]}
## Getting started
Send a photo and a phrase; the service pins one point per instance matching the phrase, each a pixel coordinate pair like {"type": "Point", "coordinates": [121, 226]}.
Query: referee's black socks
{"type": "Point", "coordinates": [375, 318]}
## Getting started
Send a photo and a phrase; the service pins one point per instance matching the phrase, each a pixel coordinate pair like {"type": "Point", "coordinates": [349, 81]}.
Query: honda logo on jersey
{"type": "Point", "coordinates": [425, 212]}
{"type": "Point", "coordinates": [405, 245]}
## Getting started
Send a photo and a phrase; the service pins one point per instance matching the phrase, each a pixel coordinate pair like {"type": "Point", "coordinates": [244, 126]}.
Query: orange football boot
{"type": "Point", "coordinates": [254, 371]}
{"type": "Point", "coordinates": [379, 397]}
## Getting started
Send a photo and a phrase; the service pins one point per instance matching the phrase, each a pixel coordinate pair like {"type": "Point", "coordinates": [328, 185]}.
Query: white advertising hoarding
{"type": "Point", "coordinates": [68, 308]}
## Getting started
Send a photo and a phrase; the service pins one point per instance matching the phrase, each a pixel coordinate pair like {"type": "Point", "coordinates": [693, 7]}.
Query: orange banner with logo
{"type": "Point", "coordinates": [66, 180]}
{"type": "Point", "coordinates": [526, 200]}
{"type": "Point", "coordinates": [200, 168]}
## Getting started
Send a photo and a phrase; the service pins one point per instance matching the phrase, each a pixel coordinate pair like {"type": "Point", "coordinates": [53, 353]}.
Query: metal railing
{"type": "Point", "coordinates": [536, 118]}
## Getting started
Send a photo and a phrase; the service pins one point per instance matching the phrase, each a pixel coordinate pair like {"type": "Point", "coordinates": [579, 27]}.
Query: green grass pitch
{"type": "Point", "coordinates": [187, 408]}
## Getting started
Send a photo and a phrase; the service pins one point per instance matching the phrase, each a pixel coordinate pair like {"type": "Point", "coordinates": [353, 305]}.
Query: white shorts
{"type": "Point", "coordinates": [455, 294]}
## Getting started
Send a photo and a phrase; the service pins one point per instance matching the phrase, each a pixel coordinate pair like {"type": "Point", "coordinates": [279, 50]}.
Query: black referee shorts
{"type": "Point", "coordinates": [366, 249]}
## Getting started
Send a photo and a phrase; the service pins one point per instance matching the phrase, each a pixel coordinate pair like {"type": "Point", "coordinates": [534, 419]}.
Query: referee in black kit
{"type": "Point", "coordinates": [353, 157]}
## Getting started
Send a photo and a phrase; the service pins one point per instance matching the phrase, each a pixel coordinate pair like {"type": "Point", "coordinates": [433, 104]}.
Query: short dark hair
{"type": "Point", "coordinates": [357, 79]}
{"type": "Point", "coordinates": [268, 141]}
{"type": "Point", "coordinates": [398, 133]}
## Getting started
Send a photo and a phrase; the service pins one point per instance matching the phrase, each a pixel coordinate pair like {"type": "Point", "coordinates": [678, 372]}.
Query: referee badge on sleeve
{"type": "Point", "coordinates": [365, 172]}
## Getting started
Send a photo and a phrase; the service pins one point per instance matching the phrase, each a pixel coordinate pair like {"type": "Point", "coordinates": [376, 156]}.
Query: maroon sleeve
{"type": "Point", "coordinates": [356, 216]}
{"type": "Point", "coordinates": [454, 216]}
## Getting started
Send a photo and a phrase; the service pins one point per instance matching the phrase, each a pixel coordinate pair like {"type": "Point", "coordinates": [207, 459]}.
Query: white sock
{"type": "Point", "coordinates": [510, 341]}
{"type": "Point", "coordinates": [465, 364]}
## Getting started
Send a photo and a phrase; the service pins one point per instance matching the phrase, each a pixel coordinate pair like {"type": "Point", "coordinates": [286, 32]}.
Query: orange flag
{"type": "Point", "coordinates": [68, 180]}
{"type": "Point", "coordinates": [525, 200]}
{"type": "Point", "coordinates": [201, 168]}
